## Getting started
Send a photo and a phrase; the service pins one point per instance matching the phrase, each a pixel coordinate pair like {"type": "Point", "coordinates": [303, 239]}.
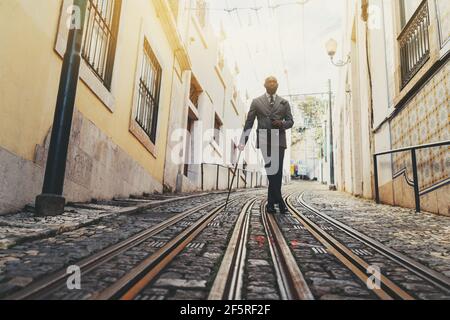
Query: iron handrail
{"type": "Point", "coordinates": [226, 167]}
{"type": "Point", "coordinates": [230, 169]}
{"type": "Point", "coordinates": [413, 150]}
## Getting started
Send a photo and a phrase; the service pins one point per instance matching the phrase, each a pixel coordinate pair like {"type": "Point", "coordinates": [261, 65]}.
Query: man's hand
{"type": "Point", "coordinates": [241, 147]}
{"type": "Point", "coordinates": [278, 124]}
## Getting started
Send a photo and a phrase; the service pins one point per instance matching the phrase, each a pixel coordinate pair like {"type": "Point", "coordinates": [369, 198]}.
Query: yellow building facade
{"type": "Point", "coordinates": [149, 69]}
{"type": "Point", "coordinates": [119, 132]}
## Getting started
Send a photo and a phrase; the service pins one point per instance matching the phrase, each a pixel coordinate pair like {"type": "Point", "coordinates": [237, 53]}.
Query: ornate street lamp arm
{"type": "Point", "coordinates": [341, 63]}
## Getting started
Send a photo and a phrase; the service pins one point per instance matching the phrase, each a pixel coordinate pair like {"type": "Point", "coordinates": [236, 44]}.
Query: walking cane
{"type": "Point", "coordinates": [232, 180]}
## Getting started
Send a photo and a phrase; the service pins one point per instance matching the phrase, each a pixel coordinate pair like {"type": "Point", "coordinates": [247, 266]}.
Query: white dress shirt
{"type": "Point", "coordinates": [274, 97]}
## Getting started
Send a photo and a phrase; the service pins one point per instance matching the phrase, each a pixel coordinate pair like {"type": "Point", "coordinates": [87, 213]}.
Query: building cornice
{"type": "Point", "coordinates": [170, 28]}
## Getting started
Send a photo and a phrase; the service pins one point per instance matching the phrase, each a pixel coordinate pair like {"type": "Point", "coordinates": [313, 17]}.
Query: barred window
{"type": "Point", "coordinates": [217, 129]}
{"type": "Point", "coordinates": [149, 91]}
{"type": "Point", "coordinates": [100, 37]}
{"type": "Point", "coordinates": [195, 92]}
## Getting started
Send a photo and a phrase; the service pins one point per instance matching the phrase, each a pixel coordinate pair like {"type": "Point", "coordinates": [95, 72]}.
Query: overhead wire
{"type": "Point", "coordinates": [256, 8]}
{"type": "Point", "coordinates": [271, 10]}
{"type": "Point", "coordinates": [280, 42]}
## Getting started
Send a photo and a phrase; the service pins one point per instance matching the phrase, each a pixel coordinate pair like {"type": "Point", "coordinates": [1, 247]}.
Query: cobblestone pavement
{"type": "Point", "coordinates": [24, 226]}
{"type": "Point", "coordinates": [333, 272]}
{"type": "Point", "coordinates": [327, 277]}
{"type": "Point", "coordinates": [42, 246]}
{"type": "Point", "coordinates": [50, 251]}
{"type": "Point", "coordinates": [425, 237]}
{"type": "Point", "coordinates": [191, 274]}
{"type": "Point", "coordinates": [259, 276]}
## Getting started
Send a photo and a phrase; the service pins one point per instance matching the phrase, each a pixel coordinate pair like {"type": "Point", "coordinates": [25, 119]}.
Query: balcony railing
{"type": "Point", "coordinates": [414, 43]}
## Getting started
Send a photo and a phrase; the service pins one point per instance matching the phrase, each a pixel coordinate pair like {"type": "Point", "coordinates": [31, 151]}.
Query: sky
{"type": "Point", "coordinates": [287, 42]}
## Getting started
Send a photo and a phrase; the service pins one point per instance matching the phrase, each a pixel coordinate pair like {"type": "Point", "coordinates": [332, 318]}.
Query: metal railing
{"type": "Point", "coordinates": [414, 167]}
{"type": "Point", "coordinates": [414, 43]}
{"type": "Point", "coordinates": [241, 175]}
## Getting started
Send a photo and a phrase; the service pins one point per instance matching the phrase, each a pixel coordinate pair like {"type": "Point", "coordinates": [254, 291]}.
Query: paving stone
{"type": "Point", "coordinates": [257, 263]}
{"type": "Point", "coordinates": [20, 281]}
{"type": "Point", "coordinates": [335, 297]}
{"type": "Point", "coordinates": [189, 295]}
{"type": "Point", "coordinates": [180, 283]}
{"type": "Point", "coordinates": [332, 283]}
{"type": "Point", "coordinates": [266, 296]}
{"type": "Point", "coordinates": [315, 274]}
{"type": "Point", "coordinates": [260, 290]}
{"type": "Point", "coordinates": [211, 255]}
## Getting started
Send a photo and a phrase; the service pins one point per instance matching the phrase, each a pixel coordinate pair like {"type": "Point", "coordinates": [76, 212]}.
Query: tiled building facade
{"type": "Point", "coordinates": [399, 98]}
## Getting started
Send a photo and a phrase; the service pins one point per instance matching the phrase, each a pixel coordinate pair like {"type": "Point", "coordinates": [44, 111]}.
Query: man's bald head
{"type": "Point", "coordinates": [271, 85]}
{"type": "Point", "coordinates": [271, 78]}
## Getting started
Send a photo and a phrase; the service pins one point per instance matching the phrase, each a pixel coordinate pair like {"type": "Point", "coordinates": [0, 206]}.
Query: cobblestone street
{"type": "Point", "coordinates": [186, 248]}
{"type": "Point", "coordinates": [422, 236]}
{"type": "Point", "coordinates": [196, 152]}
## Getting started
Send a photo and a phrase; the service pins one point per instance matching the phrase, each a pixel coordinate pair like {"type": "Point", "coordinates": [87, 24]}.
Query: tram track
{"type": "Point", "coordinates": [427, 274]}
{"type": "Point", "coordinates": [388, 290]}
{"type": "Point", "coordinates": [351, 253]}
{"type": "Point", "coordinates": [46, 286]}
{"type": "Point", "coordinates": [229, 279]}
{"type": "Point", "coordinates": [141, 276]}
{"type": "Point", "coordinates": [327, 230]}
{"type": "Point", "coordinates": [291, 283]}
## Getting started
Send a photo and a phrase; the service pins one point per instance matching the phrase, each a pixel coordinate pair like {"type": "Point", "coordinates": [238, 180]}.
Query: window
{"type": "Point", "coordinates": [235, 94]}
{"type": "Point", "coordinates": [221, 62]}
{"type": "Point", "coordinates": [100, 37]}
{"type": "Point", "coordinates": [443, 14]}
{"type": "Point", "coordinates": [408, 7]}
{"type": "Point", "coordinates": [217, 128]}
{"type": "Point", "coordinates": [233, 153]}
{"type": "Point", "coordinates": [149, 91]}
{"type": "Point", "coordinates": [189, 148]}
{"type": "Point", "coordinates": [195, 92]}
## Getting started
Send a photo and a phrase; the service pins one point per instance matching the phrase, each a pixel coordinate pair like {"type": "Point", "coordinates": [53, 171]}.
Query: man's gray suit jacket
{"type": "Point", "coordinates": [267, 135]}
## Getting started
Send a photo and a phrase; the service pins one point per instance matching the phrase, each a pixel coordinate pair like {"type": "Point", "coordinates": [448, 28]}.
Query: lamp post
{"type": "Point", "coordinates": [332, 185]}
{"type": "Point", "coordinates": [51, 201]}
{"type": "Point", "coordinates": [331, 47]}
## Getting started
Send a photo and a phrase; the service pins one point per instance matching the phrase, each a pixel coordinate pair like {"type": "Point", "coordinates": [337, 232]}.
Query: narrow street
{"type": "Point", "coordinates": [224, 157]}
{"type": "Point", "coordinates": [187, 248]}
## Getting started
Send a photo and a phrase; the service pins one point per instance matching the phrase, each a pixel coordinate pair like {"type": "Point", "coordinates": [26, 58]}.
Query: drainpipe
{"type": "Point", "coordinates": [365, 18]}
{"type": "Point", "coordinates": [51, 202]}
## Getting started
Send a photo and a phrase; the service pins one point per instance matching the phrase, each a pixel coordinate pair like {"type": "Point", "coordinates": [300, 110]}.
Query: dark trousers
{"type": "Point", "coordinates": [274, 167]}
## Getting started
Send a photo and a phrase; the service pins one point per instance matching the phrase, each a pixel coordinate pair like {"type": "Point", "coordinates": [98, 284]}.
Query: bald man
{"type": "Point", "coordinates": [274, 118]}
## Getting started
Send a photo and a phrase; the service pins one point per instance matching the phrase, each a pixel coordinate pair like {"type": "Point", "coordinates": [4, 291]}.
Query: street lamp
{"type": "Point", "coordinates": [331, 46]}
